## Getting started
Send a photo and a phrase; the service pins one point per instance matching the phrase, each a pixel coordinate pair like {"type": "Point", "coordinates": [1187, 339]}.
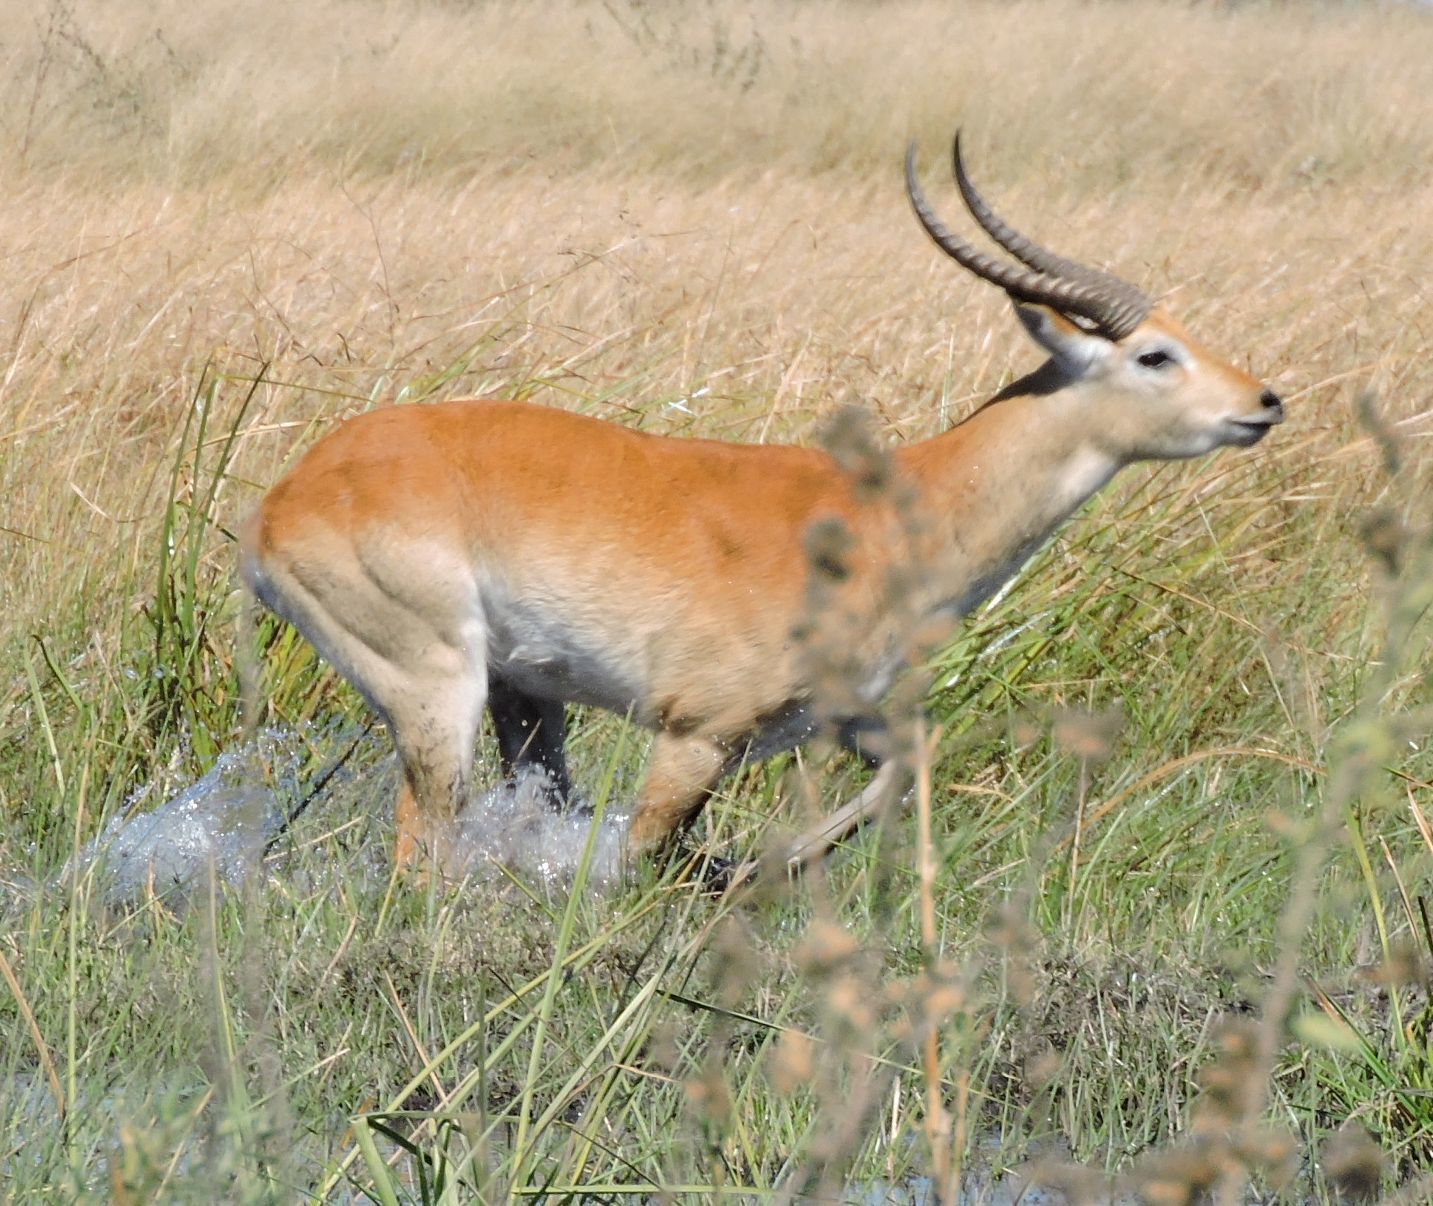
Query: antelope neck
{"type": "Point", "coordinates": [1021, 466]}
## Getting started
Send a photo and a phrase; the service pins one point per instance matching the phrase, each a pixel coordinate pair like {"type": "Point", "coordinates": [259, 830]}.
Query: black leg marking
{"type": "Point", "coordinates": [866, 737]}
{"type": "Point", "coordinates": [530, 733]}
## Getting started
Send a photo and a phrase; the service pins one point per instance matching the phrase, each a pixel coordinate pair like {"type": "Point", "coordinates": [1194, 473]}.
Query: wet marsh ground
{"type": "Point", "coordinates": [1174, 936]}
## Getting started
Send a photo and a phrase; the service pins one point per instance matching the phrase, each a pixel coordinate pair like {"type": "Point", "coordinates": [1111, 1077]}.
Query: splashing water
{"type": "Point", "coordinates": [515, 825]}
{"type": "Point", "coordinates": [223, 821]}
{"type": "Point", "coordinates": [228, 819]}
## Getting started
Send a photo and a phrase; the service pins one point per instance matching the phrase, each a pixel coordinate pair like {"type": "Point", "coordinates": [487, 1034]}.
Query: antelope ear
{"type": "Point", "coordinates": [1074, 348]}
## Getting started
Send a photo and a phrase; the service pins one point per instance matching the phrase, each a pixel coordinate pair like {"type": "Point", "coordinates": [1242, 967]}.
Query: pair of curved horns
{"type": "Point", "coordinates": [1113, 306]}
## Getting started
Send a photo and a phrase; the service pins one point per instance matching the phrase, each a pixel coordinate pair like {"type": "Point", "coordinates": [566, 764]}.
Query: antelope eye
{"type": "Point", "coordinates": [1157, 358]}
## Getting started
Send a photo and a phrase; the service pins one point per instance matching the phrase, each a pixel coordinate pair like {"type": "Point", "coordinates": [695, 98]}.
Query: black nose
{"type": "Point", "coordinates": [1273, 402]}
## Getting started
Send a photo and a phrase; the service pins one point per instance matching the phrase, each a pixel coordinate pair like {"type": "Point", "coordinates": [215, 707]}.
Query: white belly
{"type": "Point", "coordinates": [550, 661]}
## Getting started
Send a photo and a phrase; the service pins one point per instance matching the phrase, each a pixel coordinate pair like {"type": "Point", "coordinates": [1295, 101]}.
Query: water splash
{"type": "Point", "coordinates": [514, 825]}
{"type": "Point", "coordinates": [222, 822]}
{"type": "Point", "coordinates": [226, 821]}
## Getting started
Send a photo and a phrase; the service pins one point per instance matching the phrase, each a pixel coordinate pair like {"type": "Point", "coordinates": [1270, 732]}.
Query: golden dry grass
{"type": "Point", "coordinates": [690, 218]}
{"type": "Point", "coordinates": [1266, 165]}
{"type": "Point", "coordinates": [382, 201]}
{"type": "Point", "coordinates": [1118, 92]}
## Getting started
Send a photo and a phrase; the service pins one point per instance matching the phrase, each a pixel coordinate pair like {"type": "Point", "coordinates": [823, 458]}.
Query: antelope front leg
{"type": "Point", "coordinates": [889, 785]}
{"type": "Point", "coordinates": [682, 773]}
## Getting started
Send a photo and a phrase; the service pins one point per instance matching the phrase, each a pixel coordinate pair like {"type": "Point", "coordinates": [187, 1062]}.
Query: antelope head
{"type": "Point", "coordinates": [1152, 391]}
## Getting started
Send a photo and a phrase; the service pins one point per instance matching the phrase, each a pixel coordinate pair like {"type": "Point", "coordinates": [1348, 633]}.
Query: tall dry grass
{"type": "Point", "coordinates": [1101, 96]}
{"type": "Point", "coordinates": [689, 218]}
{"type": "Point", "coordinates": [686, 217]}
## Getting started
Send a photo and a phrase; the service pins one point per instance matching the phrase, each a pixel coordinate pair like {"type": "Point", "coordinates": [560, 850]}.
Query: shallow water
{"type": "Point", "coordinates": [981, 1185]}
{"type": "Point", "coordinates": [227, 821]}
{"type": "Point", "coordinates": [513, 825]}
{"type": "Point", "coordinates": [222, 822]}
{"type": "Point", "coordinates": [235, 820]}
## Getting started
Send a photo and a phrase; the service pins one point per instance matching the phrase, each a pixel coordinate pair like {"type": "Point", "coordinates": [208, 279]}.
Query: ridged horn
{"type": "Point", "coordinates": [1113, 306]}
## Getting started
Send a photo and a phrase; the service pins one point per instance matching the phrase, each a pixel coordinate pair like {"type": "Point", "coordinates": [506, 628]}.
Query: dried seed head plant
{"type": "Point", "coordinates": [1176, 772]}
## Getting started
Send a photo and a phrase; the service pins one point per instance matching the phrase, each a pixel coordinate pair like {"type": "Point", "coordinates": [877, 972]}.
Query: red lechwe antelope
{"type": "Point", "coordinates": [458, 555]}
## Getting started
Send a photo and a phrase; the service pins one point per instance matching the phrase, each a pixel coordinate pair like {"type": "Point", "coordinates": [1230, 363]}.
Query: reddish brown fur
{"type": "Point", "coordinates": [449, 557]}
{"type": "Point", "coordinates": [432, 552]}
